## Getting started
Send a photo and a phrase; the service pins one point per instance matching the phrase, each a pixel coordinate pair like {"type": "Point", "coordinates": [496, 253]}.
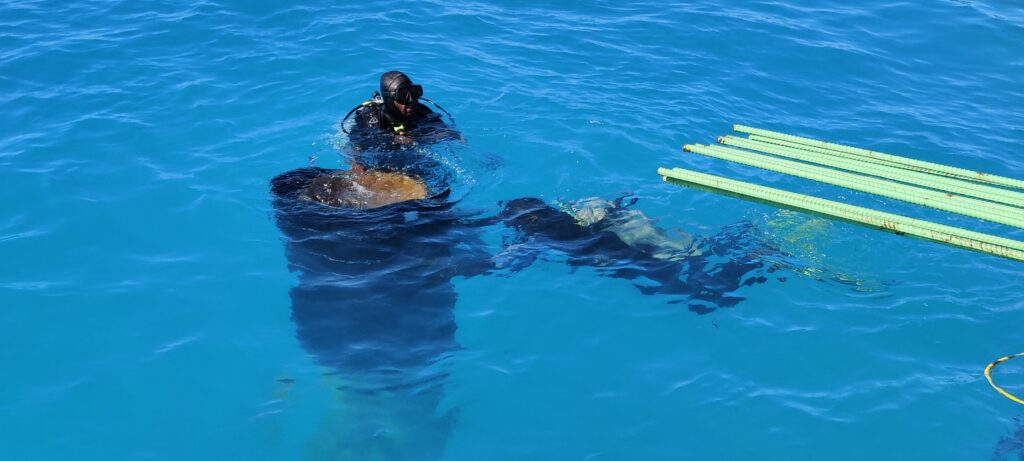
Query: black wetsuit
{"type": "Point", "coordinates": [375, 128]}
{"type": "Point", "coordinates": [729, 261]}
{"type": "Point", "coordinates": [375, 145]}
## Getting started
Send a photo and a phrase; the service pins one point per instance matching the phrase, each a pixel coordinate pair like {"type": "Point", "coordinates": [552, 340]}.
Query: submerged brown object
{"type": "Point", "coordinates": [365, 189]}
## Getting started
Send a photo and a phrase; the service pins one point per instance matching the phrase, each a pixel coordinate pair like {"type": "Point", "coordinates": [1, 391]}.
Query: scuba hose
{"type": "Point", "coordinates": [988, 376]}
{"type": "Point", "coordinates": [438, 106]}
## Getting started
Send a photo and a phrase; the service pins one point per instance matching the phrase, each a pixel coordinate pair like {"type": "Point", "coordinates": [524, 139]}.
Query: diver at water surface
{"type": "Point", "coordinates": [395, 117]}
{"type": "Point", "coordinates": [387, 141]}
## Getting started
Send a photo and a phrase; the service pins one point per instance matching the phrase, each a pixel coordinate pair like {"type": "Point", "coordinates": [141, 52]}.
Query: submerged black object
{"type": "Point", "coordinates": [707, 281]}
{"type": "Point", "coordinates": [374, 306]}
{"type": "Point", "coordinates": [374, 299]}
{"type": "Point", "coordinates": [374, 291]}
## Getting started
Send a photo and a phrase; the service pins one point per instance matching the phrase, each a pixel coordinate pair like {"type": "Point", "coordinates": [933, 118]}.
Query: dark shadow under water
{"type": "Point", "coordinates": [373, 306]}
{"type": "Point", "coordinates": [374, 300]}
{"type": "Point", "coordinates": [1010, 447]}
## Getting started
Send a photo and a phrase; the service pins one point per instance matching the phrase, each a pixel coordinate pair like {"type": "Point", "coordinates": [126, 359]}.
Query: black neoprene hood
{"type": "Point", "coordinates": [390, 82]}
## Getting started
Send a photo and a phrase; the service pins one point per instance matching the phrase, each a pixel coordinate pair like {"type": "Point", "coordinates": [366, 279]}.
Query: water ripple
{"type": "Point", "coordinates": [136, 142]}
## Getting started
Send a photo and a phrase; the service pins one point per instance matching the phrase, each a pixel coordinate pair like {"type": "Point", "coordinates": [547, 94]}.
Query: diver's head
{"type": "Point", "coordinates": [399, 93]}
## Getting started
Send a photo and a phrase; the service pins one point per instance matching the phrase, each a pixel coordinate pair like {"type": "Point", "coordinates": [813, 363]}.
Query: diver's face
{"type": "Point", "coordinates": [404, 109]}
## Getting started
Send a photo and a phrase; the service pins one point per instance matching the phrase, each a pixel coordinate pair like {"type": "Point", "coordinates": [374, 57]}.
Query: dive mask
{"type": "Point", "coordinates": [408, 94]}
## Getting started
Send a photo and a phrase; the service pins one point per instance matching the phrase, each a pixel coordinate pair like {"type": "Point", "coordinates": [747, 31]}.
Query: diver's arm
{"type": "Point", "coordinates": [441, 131]}
{"type": "Point", "coordinates": [450, 134]}
{"type": "Point", "coordinates": [431, 128]}
{"type": "Point", "coordinates": [402, 138]}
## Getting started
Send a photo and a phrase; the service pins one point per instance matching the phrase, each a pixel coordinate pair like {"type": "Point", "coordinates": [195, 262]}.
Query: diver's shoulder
{"type": "Point", "coordinates": [422, 109]}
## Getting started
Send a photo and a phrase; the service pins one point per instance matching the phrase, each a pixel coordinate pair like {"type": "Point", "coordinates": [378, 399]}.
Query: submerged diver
{"type": "Point", "coordinates": [374, 306]}
{"type": "Point", "coordinates": [622, 243]}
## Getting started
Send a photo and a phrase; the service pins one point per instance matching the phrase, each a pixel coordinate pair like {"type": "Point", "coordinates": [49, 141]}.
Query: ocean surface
{"type": "Point", "coordinates": [146, 296]}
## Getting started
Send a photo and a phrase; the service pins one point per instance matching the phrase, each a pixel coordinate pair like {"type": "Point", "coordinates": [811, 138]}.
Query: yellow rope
{"type": "Point", "coordinates": [988, 376]}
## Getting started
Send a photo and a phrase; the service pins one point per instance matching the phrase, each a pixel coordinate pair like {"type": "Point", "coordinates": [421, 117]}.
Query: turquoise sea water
{"type": "Point", "coordinates": [144, 291]}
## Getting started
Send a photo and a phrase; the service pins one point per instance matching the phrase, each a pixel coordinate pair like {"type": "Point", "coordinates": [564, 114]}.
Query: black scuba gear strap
{"type": "Point", "coordinates": [375, 99]}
